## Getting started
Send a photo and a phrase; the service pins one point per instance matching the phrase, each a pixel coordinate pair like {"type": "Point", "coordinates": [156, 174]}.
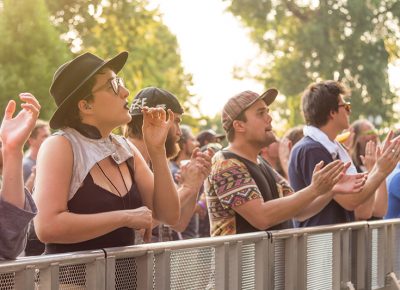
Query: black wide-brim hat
{"type": "Point", "coordinates": [69, 81]}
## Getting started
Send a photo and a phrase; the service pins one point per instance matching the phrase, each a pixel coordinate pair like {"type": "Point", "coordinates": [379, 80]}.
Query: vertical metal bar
{"type": "Point", "coordinates": [302, 262]}
{"type": "Point", "coordinates": [49, 277]}
{"type": "Point", "coordinates": [221, 267]}
{"type": "Point", "coordinates": [291, 263]}
{"type": "Point", "coordinates": [261, 260]}
{"type": "Point", "coordinates": [95, 274]}
{"type": "Point", "coordinates": [270, 273]}
{"type": "Point", "coordinates": [363, 257]}
{"type": "Point", "coordinates": [25, 279]}
{"type": "Point", "coordinates": [336, 257]}
{"type": "Point", "coordinates": [145, 271]}
{"type": "Point", "coordinates": [382, 255]}
{"type": "Point", "coordinates": [162, 270]}
{"type": "Point", "coordinates": [235, 265]}
{"type": "Point", "coordinates": [110, 272]}
{"type": "Point", "coordinates": [346, 255]}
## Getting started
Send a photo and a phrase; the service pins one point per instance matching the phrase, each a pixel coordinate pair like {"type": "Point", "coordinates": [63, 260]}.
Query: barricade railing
{"type": "Point", "coordinates": [359, 255]}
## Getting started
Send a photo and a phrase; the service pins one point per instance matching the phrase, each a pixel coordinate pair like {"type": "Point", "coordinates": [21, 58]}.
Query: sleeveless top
{"type": "Point", "coordinates": [266, 183]}
{"type": "Point", "coordinates": [88, 151]}
{"type": "Point", "coordinates": [90, 198]}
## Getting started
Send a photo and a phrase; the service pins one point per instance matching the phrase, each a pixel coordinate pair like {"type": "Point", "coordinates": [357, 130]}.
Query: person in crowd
{"type": "Point", "coordinates": [289, 139]}
{"type": "Point", "coordinates": [207, 138]}
{"type": "Point", "coordinates": [327, 114]}
{"type": "Point", "coordinates": [363, 131]}
{"type": "Point", "coordinates": [187, 144]}
{"type": "Point", "coordinates": [191, 176]}
{"type": "Point", "coordinates": [362, 149]}
{"type": "Point", "coordinates": [16, 204]}
{"type": "Point", "coordinates": [242, 191]}
{"type": "Point", "coordinates": [393, 190]}
{"type": "Point", "coordinates": [92, 187]}
{"type": "Point", "coordinates": [39, 133]}
{"type": "Point", "coordinates": [270, 153]}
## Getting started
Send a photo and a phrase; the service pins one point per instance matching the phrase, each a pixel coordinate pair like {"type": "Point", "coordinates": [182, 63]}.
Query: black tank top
{"type": "Point", "coordinates": [264, 178]}
{"type": "Point", "coordinates": [91, 198]}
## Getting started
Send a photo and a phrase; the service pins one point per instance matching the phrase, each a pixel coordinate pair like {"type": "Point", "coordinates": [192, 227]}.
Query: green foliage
{"type": "Point", "coordinates": [106, 28]}
{"type": "Point", "coordinates": [30, 52]}
{"type": "Point", "coordinates": [308, 41]}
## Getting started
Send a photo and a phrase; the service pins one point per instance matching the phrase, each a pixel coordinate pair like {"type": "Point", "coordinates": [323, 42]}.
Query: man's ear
{"type": "Point", "coordinates": [332, 113]}
{"type": "Point", "coordinates": [238, 126]}
{"type": "Point", "coordinates": [290, 145]}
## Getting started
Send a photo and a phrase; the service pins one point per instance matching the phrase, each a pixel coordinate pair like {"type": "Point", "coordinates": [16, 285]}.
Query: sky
{"type": "Point", "coordinates": [212, 43]}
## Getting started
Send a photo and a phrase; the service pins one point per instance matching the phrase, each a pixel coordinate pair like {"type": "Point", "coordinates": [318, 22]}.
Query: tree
{"type": "Point", "coordinates": [308, 41]}
{"type": "Point", "coordinates": [30, 52]}
{"type": "Point", "coordinates": [106, 28]}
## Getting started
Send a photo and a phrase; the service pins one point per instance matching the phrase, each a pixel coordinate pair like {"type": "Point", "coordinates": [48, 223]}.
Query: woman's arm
{"type": "Point", "coordinates": [54, 223]}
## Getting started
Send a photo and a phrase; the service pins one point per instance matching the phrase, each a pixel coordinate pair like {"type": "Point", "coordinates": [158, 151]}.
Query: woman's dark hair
{"type": "Point", "coordinates": [73, 119]}
{"type": "Point", "coordinates": [319, 100]}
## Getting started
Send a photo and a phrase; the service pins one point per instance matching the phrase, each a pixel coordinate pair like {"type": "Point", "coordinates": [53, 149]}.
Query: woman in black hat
{"type": "Point", "coordinates": [92, 187]}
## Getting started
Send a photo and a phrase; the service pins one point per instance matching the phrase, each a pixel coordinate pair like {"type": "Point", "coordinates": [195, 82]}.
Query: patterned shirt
{"type": "Point", "coordinates": [230, 185]}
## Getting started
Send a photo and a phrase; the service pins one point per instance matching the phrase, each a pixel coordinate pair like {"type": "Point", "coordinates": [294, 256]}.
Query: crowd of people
{"type": "Point", "coordinates": [84, 187]}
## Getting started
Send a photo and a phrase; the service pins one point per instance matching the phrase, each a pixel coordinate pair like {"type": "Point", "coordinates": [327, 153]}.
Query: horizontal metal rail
{"type": "Point", "coordinates": [359, 255]}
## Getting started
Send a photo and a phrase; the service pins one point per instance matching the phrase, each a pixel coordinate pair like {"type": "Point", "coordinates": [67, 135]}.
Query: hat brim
{"type": "Point", "coordinates": [116, 64]}
{"type": "Point", "coordinates": [220, 136]}
{"type": "Point", "coordinates": [268, 97]}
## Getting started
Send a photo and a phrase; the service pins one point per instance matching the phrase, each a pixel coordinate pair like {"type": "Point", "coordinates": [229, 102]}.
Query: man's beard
{"type": "Point", "coordinates": [171, 147]}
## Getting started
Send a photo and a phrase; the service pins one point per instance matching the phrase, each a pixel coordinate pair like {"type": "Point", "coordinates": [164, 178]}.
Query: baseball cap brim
{"type": "Point", "coordinates": [268, 97]}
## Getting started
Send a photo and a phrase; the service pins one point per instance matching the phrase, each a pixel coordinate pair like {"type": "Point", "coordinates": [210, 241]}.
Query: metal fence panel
{"type": "Point", "coordinates": [126, 274]}
{"type": "Point", "coordinates": [279, 264]}
{"type": "Point", "coordinates": [319, 261]}
{"type": "Point", "coordinates": [396, 251]}
{"type": "Point", "coordinates": [248, 267]}
{"type": "Point", "coordinates": [191, 269]}
{"type": "Point", "coordinates": [377, 267]}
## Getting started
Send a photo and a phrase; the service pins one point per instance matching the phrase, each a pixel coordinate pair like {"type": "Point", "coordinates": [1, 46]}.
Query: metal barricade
{"type": "Point", "coordinates": [66, 271]}
{"type": "Point", "coordinates": [384, 268]}
{"type": "Point", "coordinates": [324, 257]}
{"type": "Point", "coordinates": [209, 263]}
{"type": "Point", "coordinates": [360, 255]}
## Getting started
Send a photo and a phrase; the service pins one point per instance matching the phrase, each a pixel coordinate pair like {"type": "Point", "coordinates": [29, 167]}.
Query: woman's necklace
{"type": "Point", "coordinates": [123, 180]}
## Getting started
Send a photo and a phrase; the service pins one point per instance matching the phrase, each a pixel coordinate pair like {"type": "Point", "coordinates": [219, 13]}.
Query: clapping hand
{"type": "Point", "coordinates": [370, 157]}
{"type": "Point", "coordinates": [324, 178]}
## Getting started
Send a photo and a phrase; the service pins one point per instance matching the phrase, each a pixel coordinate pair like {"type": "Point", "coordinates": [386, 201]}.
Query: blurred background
{"type": "Point", "coordinates": [205, 51]}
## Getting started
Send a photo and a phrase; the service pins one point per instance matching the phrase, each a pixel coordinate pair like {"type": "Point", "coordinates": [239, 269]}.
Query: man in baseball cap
{"type": "Point", "coordinates": [244, 194]}
{"type": "Point", "coordinates": [193, 173]}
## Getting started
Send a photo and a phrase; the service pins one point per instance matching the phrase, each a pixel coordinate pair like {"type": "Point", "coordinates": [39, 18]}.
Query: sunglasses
{"type": "Point", "coordinates": [115, 83]}
{"type": "Point", "coordinates": [346, 106]}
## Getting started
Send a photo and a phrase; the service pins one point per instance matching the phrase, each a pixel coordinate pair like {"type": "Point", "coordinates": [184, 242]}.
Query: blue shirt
{"type": "Point", "coordinates": [393, 188]}
{"type": "Point", "coordinates": [305, 155]}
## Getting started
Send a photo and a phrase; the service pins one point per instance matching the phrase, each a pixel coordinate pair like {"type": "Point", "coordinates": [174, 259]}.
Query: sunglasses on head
{"type": "Point", "coordinates": [346, 106]}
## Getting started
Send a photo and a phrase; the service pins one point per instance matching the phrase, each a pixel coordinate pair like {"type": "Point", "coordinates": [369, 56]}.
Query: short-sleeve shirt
{"type": "Point", "coordinates": [393, 188]}
{"type": "Point", "coordinates": [305, 155]}
{"type": "Point", "coordinates": [232, 184]}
